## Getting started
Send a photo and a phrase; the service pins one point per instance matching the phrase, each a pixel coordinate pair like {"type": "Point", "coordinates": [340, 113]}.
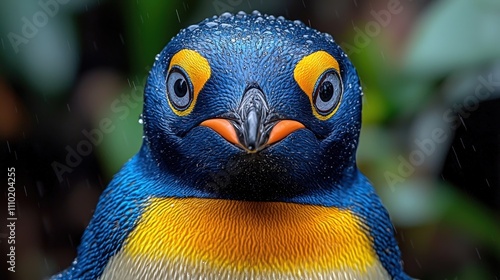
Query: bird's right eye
{"type": "Point", "coordinates": [179, 89]}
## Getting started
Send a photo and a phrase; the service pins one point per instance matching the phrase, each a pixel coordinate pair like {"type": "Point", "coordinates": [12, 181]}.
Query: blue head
{"type": "Point", "coordinates": [253, 107]}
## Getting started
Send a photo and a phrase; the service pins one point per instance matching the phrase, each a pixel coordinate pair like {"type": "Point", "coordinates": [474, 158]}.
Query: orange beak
{"type": "Point", "coordinates": [228, 131]}
{"type": "Point", "coordinates": [252, 127]}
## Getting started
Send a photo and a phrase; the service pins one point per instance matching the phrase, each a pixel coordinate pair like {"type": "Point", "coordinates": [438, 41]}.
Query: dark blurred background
{"type": "Point", "coordinates": [71, 81]}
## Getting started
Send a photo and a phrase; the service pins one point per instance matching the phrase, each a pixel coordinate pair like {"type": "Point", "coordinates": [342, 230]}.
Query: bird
{"type": "Point", "coordinates": [248, 165]}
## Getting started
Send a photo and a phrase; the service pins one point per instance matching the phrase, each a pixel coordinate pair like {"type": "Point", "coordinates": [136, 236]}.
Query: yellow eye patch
{"type": "Point", "coordinates": [307, 72]}
{"type": "Point", "coordinates": [198, 71]}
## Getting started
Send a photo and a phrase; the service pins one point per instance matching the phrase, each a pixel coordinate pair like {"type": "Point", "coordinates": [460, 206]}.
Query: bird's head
{"type": "Point", "coordinates": [253, 107]}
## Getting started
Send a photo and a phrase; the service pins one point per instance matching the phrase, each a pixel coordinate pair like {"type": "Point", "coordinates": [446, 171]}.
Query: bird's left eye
{"type": "Point", "coordinates": [179, 89]}
{"type": "Point", "coordinates": [327, 93]}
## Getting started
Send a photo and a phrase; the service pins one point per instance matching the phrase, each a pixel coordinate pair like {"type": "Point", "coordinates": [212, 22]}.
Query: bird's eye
{"type": "Point", "coordinates": [179, 89]}
{"type": "Point", "coordinates": [327, 92]}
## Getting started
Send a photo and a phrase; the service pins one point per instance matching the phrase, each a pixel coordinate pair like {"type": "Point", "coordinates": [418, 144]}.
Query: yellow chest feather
{"type": "Point", "coordinates": [215, 239]}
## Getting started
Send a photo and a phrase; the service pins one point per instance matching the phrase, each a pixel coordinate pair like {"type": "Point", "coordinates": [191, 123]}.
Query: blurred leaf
{"type": "Point", "coordinates": [375, 107]}
{"type": "Point", "coordinates": [39, 47]}
{"type": "Point", "coordinates": [150, 26]}
{"type": "Point", "coordinates": [469, 215]}
{"type": "Point", "coordinates": [454, 34]}
{"type": "Point", "coordinates": [414, 202]}
{"type": "Point", "coordinates": [474, 271]}
{"type": "Point", "coordinates": [125, 139]}
{"type": "Point", "coordinates": [371, 67]}
{"type": "Point", "coordinates": [388, 92]}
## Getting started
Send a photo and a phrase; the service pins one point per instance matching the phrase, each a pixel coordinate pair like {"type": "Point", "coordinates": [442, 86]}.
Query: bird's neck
{"type": "Point", "coordinates": [251, 185]}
